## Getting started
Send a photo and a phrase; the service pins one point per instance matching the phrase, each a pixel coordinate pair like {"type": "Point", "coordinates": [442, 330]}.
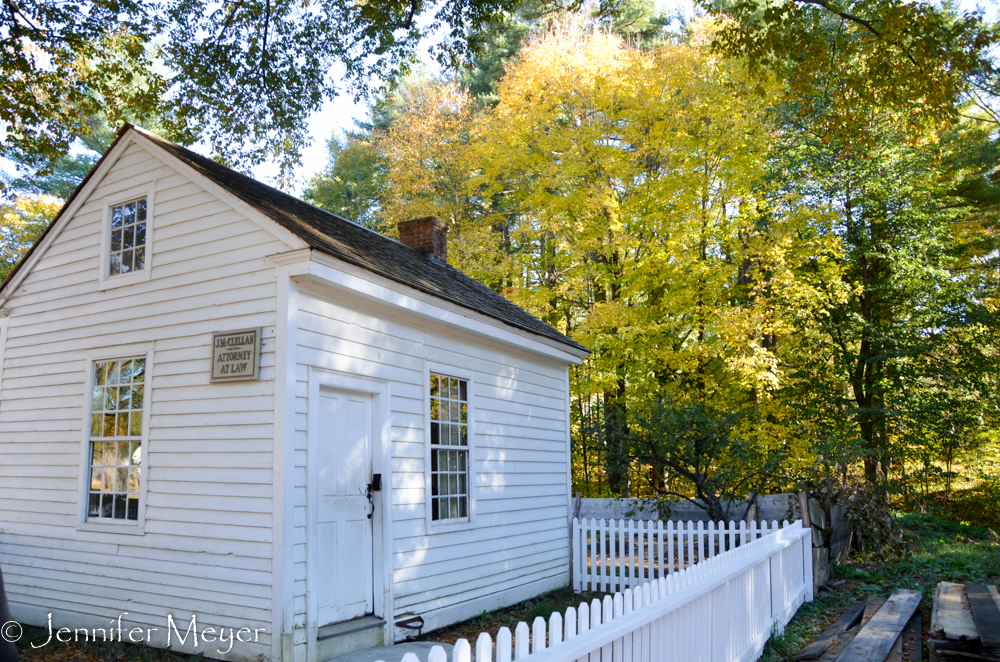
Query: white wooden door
{"type": "Point", "coordinates": [343, 576]}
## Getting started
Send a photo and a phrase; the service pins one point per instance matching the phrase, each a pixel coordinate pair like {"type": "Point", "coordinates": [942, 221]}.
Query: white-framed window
{"type": "Point", "coordinates": [127, 236]}
{"type": "Point", "coordinates": [115, 439]}
{"type": "Point", "coordinates": [450, 443]}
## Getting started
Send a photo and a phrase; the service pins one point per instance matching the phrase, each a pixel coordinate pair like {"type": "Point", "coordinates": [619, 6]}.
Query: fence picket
{"type": "Point", "coordinates": [595, 620]}
{"type": "Point", "coordinates": [607, 616]}
{"type": "Point", "coordinates": [629, 537]}
{"type": "Point", "coordinates": [650, 551]}
{"type": "Point", "coordinates": [602, 549]}
{"type": "Point", "coordinates": [437, 654]}
{"type": "Point", "coordinates": [593, 555]}
{"type": "Point", "coordinates": [504, 645]}
{"type": "Point", "coordinates": [538, 635]}
{"type": "Point", "coordinates": [410, 657]}
{"type": "Point", "coordinates": [484, 648]}
{"type": "Point", "coordinates": [680, 546]}
{"type": "Point", "coordinates": [641, 544]}
{"type": "Point", "coordinates": [690, 544]}
{"type": "Point", "coordinates": [646, 634]}
{"type": "Point", "coordinates": [619, 611]}
{"type": "Point", "coordinates": [521, 640]}
{"type": "Point", "coordinates": [461, 652]}
{"type": "Point", "coordinates": [661, 571]}
{"type": "Point", "coordinates": [555, 629]}
{"type": "Point", "coordinates": [613, 544]}
{"type": "Point", "coordinates": [670, 548]}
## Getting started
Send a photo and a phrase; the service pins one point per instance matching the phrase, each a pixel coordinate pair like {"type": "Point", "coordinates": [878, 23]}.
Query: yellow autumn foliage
{"type": "Point", "coordinates": [618, 194]}
{"type": "Point", "coordinates": [23, 219]}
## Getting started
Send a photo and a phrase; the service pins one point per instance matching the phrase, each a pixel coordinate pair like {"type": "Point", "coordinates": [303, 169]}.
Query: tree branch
{"type": "Point", "coordinates": [844, 15]}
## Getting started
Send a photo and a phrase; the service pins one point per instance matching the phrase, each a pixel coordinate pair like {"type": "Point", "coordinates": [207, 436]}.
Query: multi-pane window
{"type": "Point", "coordinates": [128, 238]}
{"type": "Point", "coordinates": [116, 439]}
{"type": "Point", "coordinates": [449, 448]}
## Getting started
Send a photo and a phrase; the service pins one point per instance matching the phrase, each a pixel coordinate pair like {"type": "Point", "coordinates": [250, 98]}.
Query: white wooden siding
{"type": "Point", "coordinates": [519, 543]}
{"type": "Point", "coordinates": [207, 544]}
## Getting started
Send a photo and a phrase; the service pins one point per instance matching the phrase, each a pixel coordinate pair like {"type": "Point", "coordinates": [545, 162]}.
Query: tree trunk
{"type": "Point", "coordinates": [616, 431]}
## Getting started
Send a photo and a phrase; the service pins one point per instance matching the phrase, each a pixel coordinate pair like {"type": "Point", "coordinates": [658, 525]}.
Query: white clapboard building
{"type": "Point", "coordinates": [221, 404]}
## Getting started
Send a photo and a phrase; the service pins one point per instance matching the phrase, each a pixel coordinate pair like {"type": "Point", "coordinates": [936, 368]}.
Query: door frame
{"type": "Point", "coordinates": [381, 446]}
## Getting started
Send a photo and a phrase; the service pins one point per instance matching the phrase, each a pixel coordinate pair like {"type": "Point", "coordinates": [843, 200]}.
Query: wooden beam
{"type": "Point", "coordinates": [985, 614]}
{"type": "Point", "coordinates": [952, 616]}
{"type": "Point", "coordinates": [876, 640]}
{"type": "Point", "coordinates": [819, 645]}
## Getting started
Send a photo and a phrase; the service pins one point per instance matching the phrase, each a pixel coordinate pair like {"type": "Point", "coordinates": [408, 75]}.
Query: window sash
{"type": "Point", "coordinates": [127, 246]}
{"type": "Point", "coordinates": [115, 439]}
{"type": "Point", "coordinates": [449, 448]}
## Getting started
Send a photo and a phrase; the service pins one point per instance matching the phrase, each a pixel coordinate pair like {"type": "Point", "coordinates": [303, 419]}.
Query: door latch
{"type": "Point", "coordinates": [374, 486]}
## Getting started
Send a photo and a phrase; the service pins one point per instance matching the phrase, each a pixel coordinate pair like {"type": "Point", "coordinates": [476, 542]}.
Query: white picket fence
{"type": "Point", "coordinates": [613, 555]}
{"type": "Point", "coordinates": [720, 609]}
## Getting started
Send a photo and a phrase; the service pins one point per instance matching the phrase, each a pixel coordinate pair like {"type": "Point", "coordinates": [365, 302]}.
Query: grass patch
{"type": "Point", "coordinates": [812, 619]}
{"type": "Point", "coordinates": [527, 611]}
{"type": "Point", "coordinates": [94, 651]}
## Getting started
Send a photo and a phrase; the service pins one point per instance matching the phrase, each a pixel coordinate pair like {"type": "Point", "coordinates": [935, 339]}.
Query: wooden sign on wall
{"type": "Point", "coordinates": [236, 356]}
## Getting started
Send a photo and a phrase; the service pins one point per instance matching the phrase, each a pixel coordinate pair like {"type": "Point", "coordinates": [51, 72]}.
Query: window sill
{"type": "Point", "coordinates": [121, 281]}
{"type": "Point", "coordinates": [444, 526]}
{"type": "Point", "coordinates": [112, 527]}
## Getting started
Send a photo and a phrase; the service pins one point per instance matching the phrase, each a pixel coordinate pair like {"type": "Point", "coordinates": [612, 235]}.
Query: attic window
{"type": "Point", "coordinates": [128, 238]}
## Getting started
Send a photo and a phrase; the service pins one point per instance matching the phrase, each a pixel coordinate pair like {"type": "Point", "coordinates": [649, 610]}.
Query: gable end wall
{"type": "Point", "coordinates": [207, 546]}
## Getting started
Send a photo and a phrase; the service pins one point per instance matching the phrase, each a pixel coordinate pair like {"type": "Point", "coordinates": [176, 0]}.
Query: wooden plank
{"type": "Point", "coordinates": [877, 638]}
{"type": "Point", "coordinates": [985, 613]}
{"type": "Point", "coordinates": [942, 650]}
{"type": "Point", "coordinates": [819, 645]}
{"type": "Point", "coordinates": [842, 642]}
{"type": "Point", "coordinates": [952, 616]}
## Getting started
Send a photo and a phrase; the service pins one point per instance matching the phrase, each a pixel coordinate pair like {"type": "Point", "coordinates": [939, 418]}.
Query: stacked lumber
{"type": "Point", "coordinates": [880, 630]}
{"type": "Point", "coordinates": [882, 636]}
{"type": "Point", "coordinates": [965, 623]}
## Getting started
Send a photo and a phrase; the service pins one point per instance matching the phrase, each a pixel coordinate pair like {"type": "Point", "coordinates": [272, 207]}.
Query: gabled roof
{"type": "Point", "coordinates": [354, 244]}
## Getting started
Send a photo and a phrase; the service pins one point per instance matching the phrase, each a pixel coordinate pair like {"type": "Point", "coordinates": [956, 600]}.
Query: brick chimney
{"type": "Point", "coordinates": [428, 235]}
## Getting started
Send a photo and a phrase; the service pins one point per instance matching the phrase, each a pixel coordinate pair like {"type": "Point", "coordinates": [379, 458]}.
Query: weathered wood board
{"type": "Point", "coordinates": [876, 639]}
{"type": "Point", "coordinates": [843, 641]}
{"type": "Point", "coordinates": [959, 635]}
{"type": "Point", "coordinates": [819, 645]}
{"type": "Point", "coordinates": [985, 613]}
{"type": "Point", "coordinates": [951, 617]}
